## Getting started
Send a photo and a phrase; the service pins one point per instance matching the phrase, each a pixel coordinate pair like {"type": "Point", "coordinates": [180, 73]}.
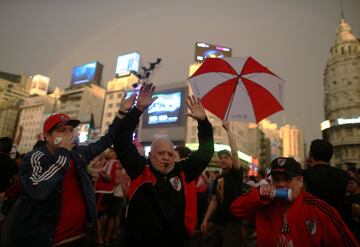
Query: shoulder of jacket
{"type": "Point", "coordinates": [35, 154]}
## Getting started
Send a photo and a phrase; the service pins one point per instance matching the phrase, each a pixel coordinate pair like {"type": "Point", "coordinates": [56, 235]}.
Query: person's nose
{"type": "Point", "coordinates": [166, 156]}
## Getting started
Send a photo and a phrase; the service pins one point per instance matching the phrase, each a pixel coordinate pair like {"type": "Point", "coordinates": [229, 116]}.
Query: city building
{"type": "Point", "coordinates": [342, 98]}
{"type": "Point", "coordinates": [293, 142]}
{"type": "Point", "coordinates": [8, 119]}
{"type": "Point", "coordinates": [34, 111]}
{"type": "Point", "coordinates": [84, 102]}
{"type": "Point", "coordinates": [115, 91]}
{"type": "Point", "coordinates": [14, 89]}
{"type": "Point", "coordinates": [271, 132]}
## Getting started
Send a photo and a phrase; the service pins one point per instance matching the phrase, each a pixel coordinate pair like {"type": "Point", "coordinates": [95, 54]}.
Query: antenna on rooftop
{"type": "Point", "coordinates": [342, 9]}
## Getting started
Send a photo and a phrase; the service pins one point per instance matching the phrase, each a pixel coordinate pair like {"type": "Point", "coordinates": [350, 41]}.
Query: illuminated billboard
{"type": "Point", "coordinates": [166, 109]}
{"type": "Point", "coordinates": [166, 116]}
{"type": "Point", "coordinates": [87, 73]}
{"type": "Point", "coordinates": [127, 63]}
{"type": "Point", "coordinates": [204, 50]}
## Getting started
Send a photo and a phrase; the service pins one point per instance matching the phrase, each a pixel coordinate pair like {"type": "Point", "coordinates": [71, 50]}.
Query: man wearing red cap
{"type": "Point", "coordinates": [57, 198]}
{"type": "Point", "coordinates": [293, 218]}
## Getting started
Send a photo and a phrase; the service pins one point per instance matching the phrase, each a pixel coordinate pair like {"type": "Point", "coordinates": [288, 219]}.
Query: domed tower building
{"type": "Point", "coordinates": [342, 98]}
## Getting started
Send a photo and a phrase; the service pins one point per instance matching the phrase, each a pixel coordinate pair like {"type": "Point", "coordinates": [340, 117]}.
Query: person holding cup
{"type": "Point", "coordinates": [291, 219]}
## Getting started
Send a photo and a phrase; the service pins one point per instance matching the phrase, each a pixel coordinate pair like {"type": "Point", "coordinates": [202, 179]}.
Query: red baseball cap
{"type": "Point", "coordinates": [58, 119]}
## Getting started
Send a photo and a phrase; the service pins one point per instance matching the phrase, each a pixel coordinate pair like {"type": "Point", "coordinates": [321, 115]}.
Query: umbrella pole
{"type": "Point", "coordinates": [231, 100]}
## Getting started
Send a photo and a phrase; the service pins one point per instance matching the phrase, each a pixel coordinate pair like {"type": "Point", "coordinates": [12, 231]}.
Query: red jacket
{"type": "Point", "coordinates": [109, 169]}
{"type": "Point", "coordinates": [310, 221]}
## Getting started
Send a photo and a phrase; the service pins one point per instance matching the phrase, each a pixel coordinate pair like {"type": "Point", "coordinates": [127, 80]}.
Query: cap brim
{"type": "Point", "coordinates": [71, 122]}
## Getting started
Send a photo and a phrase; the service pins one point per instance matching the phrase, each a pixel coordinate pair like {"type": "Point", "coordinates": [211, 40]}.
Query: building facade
{"type": "Point", "coordinates": [271, 132]}
{"type": "Point", "coordinates": [293, 142]}
{"type": "Point", "coordinates": [342, 98]}
{"type": "Point", "coordinates": [116, 88]}
{"type": "Point", "coordinates": [84, 102]}
{"type": "Point", "coordinates": [14, 90]}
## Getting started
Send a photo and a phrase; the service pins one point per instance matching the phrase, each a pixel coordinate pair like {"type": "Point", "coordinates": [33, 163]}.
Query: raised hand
{"type": "Point", "coordinates": [197, 111]}
{"type": "Point", "coordinates": [126, 104]}
{"type": "Point", "coordinates": [145, 98]}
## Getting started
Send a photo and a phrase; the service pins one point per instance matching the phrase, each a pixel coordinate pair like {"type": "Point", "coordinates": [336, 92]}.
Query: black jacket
{"type": "Point", "coordinates": [34, 217]}
{"type": "Point", "coordinates": [156, 210]}
{"type": "Point", "coordinates": [329, 184]}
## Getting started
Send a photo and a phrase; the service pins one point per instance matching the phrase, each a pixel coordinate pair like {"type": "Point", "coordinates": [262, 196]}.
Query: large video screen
{"type": "Point", "coordinates": [87, 73]}
{"type": "Point", "coordinates": [204, 50]}
{"type": "Point", "coordinates": [166, 109]}
{"type": "Point", "coordinates": [127, 63]}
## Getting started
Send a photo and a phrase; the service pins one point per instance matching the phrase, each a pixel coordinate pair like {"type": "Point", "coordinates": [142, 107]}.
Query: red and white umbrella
{"type": "Point", "coordinates": [238, 89]}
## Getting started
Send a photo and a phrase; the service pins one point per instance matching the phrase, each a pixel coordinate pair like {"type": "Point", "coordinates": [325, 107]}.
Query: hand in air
{"type": "Point", "coordinates": [197, 111]}
{"type": "Point", "coordinates": [126, 104]}
{"type": "Point", "coordinates": [145, 98]}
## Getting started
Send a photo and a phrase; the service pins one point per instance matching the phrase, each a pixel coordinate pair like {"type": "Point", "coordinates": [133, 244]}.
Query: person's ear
{"type": "Point", "coordinates": [47, 135]}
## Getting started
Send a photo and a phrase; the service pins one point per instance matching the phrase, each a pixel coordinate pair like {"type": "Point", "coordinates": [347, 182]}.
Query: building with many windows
{"type": "Point", "coordinates": [14, 90]}
{"type": "Point", "coordinates": [33, 113]}
{"type": "Point", "coordinates": [293, 142]}
{"type": "Point", "coordinates": [342, 98]}
{"type": "Point", "coordinates": [114, 92]}
{"type": "Point", "coordinates": [83, 102]}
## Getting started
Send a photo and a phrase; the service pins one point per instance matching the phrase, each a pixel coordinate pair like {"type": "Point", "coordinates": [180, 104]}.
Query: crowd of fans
{"type": "Point", "coordinates": [55, 194]}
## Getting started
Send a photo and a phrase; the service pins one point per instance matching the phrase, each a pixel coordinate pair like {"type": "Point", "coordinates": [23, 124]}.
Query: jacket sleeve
{"type": "Point", "coordinates": [126, 151]}
{"type": "Point", "coordinates": [92, 149]}
{"type": "Point", "coordinates": [39, 178]}
{"type": "Point", "coordinates": [199, 160]}
{"type": "Point", "coordinates": [246, 205]}
{"type": "Point", "coordinates": [334, 231]}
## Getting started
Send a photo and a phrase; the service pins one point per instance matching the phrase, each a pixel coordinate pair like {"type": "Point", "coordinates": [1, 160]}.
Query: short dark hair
{"type": "Point", "coordinates": [224, 151]}
{"type": "Point", "coordinates": [262, 173]}
{"type": "Point", "coordinates": [321, 150]}
{"type": "Point", "coordinates": [183, 151]}
{"type": "Point", "coordinates": [352, 169]}
{"type": "Point", "coordinates": [5, 145]}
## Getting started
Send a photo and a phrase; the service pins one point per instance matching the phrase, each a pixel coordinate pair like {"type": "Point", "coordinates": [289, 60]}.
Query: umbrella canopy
{"type": "Point", "coordinates": [238, 89]}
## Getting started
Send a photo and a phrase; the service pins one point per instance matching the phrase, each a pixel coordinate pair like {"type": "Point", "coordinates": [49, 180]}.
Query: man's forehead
{"type": "Point", "coordinates": [162, 144]}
